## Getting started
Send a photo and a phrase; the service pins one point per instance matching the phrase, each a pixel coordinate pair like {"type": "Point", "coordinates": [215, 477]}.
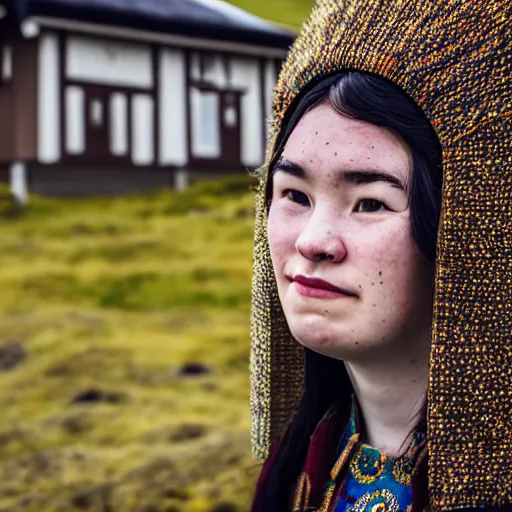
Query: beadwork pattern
{"type": "Point", "coordinates": [375, 482]}
{"type": "Point", "coordinates": [377, 501]}
{"type": "Point", "coordinates": [368, 464]}
{"type": "Point", "coordinates": [454, 59]}
{"type": "Point", "coordinates": [370, 469]}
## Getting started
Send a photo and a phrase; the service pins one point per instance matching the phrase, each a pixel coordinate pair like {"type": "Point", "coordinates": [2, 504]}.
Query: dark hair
{"type": "Point", "coordinates": [380, 102]}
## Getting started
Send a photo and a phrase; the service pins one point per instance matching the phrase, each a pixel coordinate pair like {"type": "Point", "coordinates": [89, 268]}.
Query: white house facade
{"type": "Point", "coordinates": [94, 105]}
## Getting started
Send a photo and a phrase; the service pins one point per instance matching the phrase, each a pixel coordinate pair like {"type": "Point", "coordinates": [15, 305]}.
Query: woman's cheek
{"type": "Point", "coordinates": [283, 232]}
{"type": "Point", "coordinates": [383, 258]}
{"type": "Point", "coordinates": [395, 270]}
{"type": "Point", "coordinates": [278, 234]}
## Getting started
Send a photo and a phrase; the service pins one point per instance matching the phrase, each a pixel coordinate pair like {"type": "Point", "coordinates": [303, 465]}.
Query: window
{"type": "Point", "coordinates": [75, 122]}
{"type": "Point", "coordinates": [118, 124]}
{"type": "Point", "coordinates": [96, 112]}
{"type": "Point", "coordinates": [230, 117]}
{"type": "Point", "coordinates": [142, 129]}
{"type": "Point", "coordinates": [205, 124]}
{"type": "Point", "coordinates": [6, 60]}
{"type": "Point", "coordinates": [208, 69]}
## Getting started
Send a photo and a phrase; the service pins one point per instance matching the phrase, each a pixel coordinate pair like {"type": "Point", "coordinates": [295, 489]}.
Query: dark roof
{"type": "Point", "coordinates": [213, 19]}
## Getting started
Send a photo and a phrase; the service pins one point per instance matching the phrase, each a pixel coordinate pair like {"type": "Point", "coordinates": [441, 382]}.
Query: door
{"type": "Point", "coordinates": [97, 122]}
{"type": "Point", "coordinates": [230, 127]}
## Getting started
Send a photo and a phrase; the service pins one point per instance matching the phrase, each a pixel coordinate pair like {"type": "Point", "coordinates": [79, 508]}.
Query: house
{"type": "Point", "coordinates": [108, 96]}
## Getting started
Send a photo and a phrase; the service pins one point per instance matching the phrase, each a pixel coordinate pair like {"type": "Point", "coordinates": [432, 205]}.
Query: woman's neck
{"type": "Point", "coordinates": [391, 391]}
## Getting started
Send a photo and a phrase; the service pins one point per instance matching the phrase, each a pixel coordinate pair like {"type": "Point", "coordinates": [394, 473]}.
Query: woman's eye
{"type": "Point", "coordinates": [296, 197]}
{"type": "Point", "coordinates": [370, 205]}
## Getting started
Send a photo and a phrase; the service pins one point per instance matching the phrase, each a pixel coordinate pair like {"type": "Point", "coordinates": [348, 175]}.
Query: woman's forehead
{"type": "Point", "coordinates": [324, 123]}
{"type": "Point", "coordinates": [325, 140]}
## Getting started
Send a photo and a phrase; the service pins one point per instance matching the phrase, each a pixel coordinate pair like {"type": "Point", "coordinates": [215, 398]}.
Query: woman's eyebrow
{"type": "Point", "coordinates": [290, 168]}
{"type": "Point", "coordinates": [356, 177]}
{"type": "Point", "coordinates": [362, 177]}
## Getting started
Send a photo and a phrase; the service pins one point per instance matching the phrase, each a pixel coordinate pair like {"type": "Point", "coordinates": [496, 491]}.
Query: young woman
{"type": "Point", "coordinates": [371, 355]}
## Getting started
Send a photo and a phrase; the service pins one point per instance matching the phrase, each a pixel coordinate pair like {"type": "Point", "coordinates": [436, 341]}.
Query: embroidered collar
{"type": "Point", "coordinates": [374, 481]}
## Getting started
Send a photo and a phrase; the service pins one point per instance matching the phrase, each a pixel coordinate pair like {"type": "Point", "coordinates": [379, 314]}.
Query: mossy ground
{"type": "Point", "coordinates": [102, 303]}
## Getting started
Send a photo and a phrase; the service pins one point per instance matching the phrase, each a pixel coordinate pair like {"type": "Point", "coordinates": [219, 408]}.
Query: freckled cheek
{"type": "Point", "coordinates": [403, 291]}
{"type": "Point", "coordinates": [386, 264]}
{"type": "Point", "coordinates": [282, 236]}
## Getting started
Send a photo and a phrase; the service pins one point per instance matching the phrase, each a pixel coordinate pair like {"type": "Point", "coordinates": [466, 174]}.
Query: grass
{"type": "Point", "coordinates": [102, 304]}
{"type": "Point", "coordinates": [287, 12]}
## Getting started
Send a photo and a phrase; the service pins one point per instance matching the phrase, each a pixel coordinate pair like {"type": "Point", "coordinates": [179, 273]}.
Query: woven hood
{"type": "Point", "coordinates": [454, 59]}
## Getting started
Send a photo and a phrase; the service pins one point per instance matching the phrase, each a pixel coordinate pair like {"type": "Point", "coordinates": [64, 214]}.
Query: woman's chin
{"type": "Point", "coordinates": [339, 343]}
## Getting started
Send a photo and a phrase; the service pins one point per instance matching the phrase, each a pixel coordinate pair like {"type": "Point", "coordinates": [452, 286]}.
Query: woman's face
{"type": "Point", "coordinates": [349, 277]}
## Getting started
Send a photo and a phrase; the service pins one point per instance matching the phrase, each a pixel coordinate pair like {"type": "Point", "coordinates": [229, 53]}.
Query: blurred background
{"type": "Point", "coordinates": [127, 130]}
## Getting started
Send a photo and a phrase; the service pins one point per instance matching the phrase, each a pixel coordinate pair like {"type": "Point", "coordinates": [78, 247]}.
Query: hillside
{"type": "Point", "coordinates": [124, 346]}
{"type": "Point", "coordinates": [124, 352]}
{"type": "Point", "coordinates": [287, 12]}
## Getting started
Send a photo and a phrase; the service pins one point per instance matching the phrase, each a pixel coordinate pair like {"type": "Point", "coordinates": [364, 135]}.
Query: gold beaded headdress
{"type": "Point", "coordinates": [454, 59]}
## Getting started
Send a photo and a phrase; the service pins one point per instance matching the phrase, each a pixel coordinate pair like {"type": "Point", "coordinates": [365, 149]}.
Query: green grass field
{"type": "Point", "coordinates": [286, 12]}
{"type": "Point", "coordinates": [103, 304]}
{"type": "Point", "coordinates": [124, 347]}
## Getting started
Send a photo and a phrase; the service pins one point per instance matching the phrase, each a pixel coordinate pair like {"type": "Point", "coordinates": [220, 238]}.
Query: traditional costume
{"type": "Point", "coordinates": [454, 59]}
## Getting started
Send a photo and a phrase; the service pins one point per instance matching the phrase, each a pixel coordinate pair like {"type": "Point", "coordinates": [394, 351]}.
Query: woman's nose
{"type": "Point", "coordinates": [319, 242]}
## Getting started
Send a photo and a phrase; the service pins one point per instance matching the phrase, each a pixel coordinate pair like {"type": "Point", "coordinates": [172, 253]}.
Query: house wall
{"type": "Point", "coordinates": [18, 99]}
{"type": "Point", "coordinates": [84, 181]}
{"type": "Point", "coordinates": [130, 108]}
{"type": "Point", "coordinates": [144, 97]}
{"type": "Point", "coordinates": [7, 121]}
{"type": "Point", "coordinates": [211, 78]}
{"type": "Point", "coordinates": [111, 87]}
{"type": "Point", "coordinates": [207, 81]}
{"type": "Point", "coordinates": [24, 85]}
{"type": "Point", "coordinates": [245, 74]}
{"type": "Point", "coordinates": [173, 119]}
{"type": "Point", "coordinates": [48, 99]}
{"type": "Point", "coordinates": [108, 62]}
{"type": "Point", "coordinates": [74, 120]}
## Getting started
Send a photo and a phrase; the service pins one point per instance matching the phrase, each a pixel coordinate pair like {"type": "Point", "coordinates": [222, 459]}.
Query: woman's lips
{"type": "Point", "coordinates": [318, 288]}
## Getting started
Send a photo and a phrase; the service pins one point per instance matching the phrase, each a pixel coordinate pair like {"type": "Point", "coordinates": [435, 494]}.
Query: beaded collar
{"type": "Point", "coordinates": [375, 482]}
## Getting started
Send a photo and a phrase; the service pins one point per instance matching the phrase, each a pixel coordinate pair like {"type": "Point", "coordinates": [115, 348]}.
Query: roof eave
{"type": "Point", "coordinates": [278, 40]}
{"type": "Point", "coordinates": [200, 43]}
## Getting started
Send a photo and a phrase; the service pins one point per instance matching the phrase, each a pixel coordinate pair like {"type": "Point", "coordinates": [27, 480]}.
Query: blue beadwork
{"type": "Point", "coordinates": [375, 482]}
